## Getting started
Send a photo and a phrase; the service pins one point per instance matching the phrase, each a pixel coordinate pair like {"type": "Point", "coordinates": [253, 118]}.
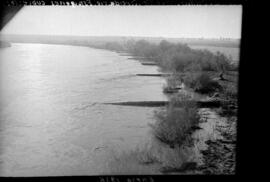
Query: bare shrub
{"type": "Point", "coordinates": [173, 124]}
{"type": "Point", "coordinates": [202, 83]}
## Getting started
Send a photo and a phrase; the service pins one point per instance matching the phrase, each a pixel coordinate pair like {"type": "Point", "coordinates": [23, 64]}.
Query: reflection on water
{"type": "Point", "coordinates": [52, 118]}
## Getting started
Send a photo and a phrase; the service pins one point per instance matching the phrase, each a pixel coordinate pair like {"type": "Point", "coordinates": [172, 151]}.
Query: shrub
{"type": "Point", "coordinates": [173, 84]}
{"type": "Point", "coordinates": [229, 103]}
{"type": "Point", "coordinates": [202, 83]}
{"type": "Point", "coordinates": [230, 92]}
{"type": "Point", "coordinates": [229, 97]}
{"type": "Point", "coordinates": [223, 62]}
{"type": "Point", "coordinates": [173, 124]}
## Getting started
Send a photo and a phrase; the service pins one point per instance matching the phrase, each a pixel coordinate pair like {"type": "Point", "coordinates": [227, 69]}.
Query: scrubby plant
{"type": "Point", "coordinates": [229, 98]}
{"type": "Point", "coordinates": [173, 124]}
{"type": "Point", "coordinates": [229, 92]}
{"type": "Point", "coordinates": [202, 83]}
{"type": "Point", "coordinates": [223, 62]}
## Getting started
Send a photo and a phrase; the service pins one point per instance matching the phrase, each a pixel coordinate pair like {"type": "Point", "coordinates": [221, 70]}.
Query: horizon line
{"type": "Point", "coordinates": [124, 36]}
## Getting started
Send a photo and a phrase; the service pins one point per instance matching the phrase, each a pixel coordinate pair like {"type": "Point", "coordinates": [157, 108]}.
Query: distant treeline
{"type": "Point", "coordinates": [175, 57]}
{"type": "Point", "coordinates": [98, 40]}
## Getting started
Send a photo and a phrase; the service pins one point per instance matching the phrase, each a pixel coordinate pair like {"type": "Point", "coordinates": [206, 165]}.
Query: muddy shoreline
{"type": "Point", "coordinates": [218, 154]}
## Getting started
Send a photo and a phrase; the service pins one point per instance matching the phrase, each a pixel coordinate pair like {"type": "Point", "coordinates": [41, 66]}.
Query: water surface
{"type": "Point", "coordinates": [52, 118]}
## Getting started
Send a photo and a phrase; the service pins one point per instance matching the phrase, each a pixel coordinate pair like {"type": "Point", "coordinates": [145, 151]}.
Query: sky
{"type": "Point", "coordinates": [208, 21]}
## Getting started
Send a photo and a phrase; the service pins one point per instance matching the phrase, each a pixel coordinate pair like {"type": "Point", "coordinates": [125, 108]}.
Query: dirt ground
{"type": "Point", "coordinates": [219, 157]}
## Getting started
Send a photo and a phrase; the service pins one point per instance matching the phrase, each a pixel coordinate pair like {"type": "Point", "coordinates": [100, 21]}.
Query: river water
{"type": "Point", "coordinates": [52, 120]}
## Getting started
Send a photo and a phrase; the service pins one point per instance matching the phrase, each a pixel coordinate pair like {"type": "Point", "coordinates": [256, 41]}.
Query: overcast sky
{"type": "Point", "coordinates": [155, 21]}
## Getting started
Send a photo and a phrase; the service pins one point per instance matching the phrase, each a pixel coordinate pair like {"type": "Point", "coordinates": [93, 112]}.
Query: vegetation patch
{"type": "Point", "coordinates": [201, 82]}
{"type": "Point", "coordinates": [175, 57]}
{"type": "Point", "coordinates": [152, 158]}
{"type": "Point", "coordinates": [173, 124]}
{"type": "Point", "coordinates": [229, 97]}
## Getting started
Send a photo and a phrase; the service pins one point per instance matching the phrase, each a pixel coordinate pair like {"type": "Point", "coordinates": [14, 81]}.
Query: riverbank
{"type": "Point", "coordinates": [211, 139]}
{"type": "Point", "coordinates": [215, 135]}
{"type": "Point", "coordinates": [207, 148]}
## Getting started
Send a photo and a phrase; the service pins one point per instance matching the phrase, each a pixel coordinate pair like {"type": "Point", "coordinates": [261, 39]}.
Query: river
{"type": "Point", "coordinates": [52, 116]}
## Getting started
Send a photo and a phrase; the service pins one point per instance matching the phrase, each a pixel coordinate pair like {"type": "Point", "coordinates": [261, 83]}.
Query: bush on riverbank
{"type": "Point", "coordinates": [181, 59]}
{"type": "Point", "coordinates": [229, 97]}
{"type": "Point", "coordinates": [202, 83]}
{"type": "Point", "coordinates": [229, 91]}
{"type": "Point", "coordinates": [174, 123]}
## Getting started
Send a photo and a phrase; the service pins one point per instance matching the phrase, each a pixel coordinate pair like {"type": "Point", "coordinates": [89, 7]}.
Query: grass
{"type": "Point", "coordinates": [150, 159]}
{"type": "Point", "coordinates": [137, 161]}
{"type": "Point", "coordinates": [177, 158]}
{"type": "Point", "coordinates": [141, 156]}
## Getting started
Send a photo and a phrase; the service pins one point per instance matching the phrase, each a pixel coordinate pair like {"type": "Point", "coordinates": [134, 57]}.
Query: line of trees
{"type": "Point", "coordinates": [175, 57]}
